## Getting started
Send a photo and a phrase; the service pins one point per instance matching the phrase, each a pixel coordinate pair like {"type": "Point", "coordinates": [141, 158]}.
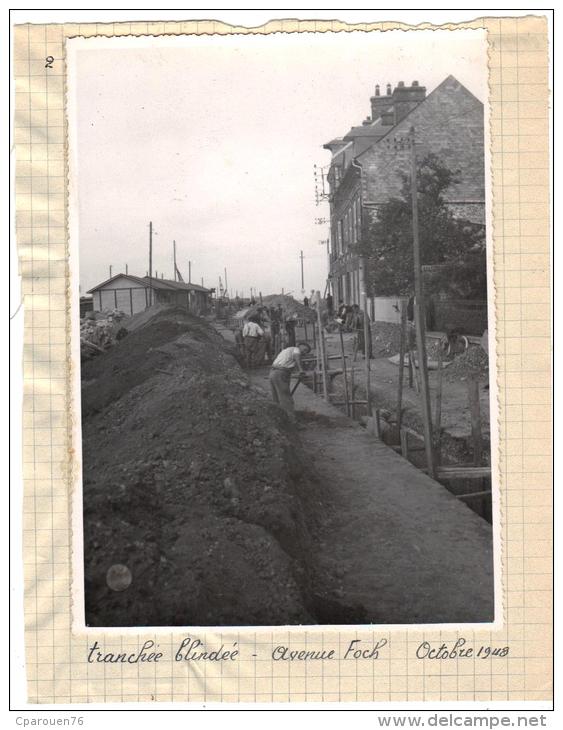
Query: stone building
{"type": "Point", "coordinates": [367, 165]}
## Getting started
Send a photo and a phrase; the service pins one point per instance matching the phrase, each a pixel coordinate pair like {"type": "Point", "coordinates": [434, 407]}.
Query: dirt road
{"type": "Point", "coordinates": [398, 545]}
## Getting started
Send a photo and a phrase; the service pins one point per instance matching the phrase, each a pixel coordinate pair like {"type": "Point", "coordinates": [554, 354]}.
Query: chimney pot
{"type": "Point", "coordinates": [388, 89]}
{"type": "Point", "coordinates": [377, 89]}
{"type": "Point", "coordinates": [401, 84]}
{"type": "Point", "coordinates": [415, 83]}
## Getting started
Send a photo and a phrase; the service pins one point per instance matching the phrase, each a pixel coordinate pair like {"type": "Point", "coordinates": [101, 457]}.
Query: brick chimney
{"type": "Point", "coordinates": [405, 98]}
{"type": "Point", "coordinates": [380, 103]}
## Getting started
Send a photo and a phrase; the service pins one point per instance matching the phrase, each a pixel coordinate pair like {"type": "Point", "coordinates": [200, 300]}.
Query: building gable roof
{"type": "Point", "coordinates": [145, 282]}
{"type": "Point", "coordinates": [134, 279]}
{"type": "Point", "coordinates": [444, 84]}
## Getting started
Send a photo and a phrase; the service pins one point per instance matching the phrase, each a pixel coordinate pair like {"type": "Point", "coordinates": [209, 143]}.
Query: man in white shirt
{"type": "Point", "coordinates": [280, 375]}
{"type": "Point", "coordinates": [251, 334]}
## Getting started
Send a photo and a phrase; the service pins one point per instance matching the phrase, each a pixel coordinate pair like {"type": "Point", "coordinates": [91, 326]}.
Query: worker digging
{"type": "Point", "coordinates": [288, 360]}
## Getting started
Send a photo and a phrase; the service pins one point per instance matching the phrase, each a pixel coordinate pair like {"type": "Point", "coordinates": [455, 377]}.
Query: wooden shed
{"type": "Point", "coordinates": [132, 294]}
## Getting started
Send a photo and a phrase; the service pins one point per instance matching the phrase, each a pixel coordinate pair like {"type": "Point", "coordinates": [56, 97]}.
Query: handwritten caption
{"type": "Point", "coordinates": [191, 649]}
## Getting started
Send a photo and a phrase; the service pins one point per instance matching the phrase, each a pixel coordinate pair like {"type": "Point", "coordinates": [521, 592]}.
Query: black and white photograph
{"type": "Point", "coordinates": [283, 322]}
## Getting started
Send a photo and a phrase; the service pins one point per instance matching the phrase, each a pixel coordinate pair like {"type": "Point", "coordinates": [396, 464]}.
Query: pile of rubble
{"type": "Point", "coordinates": [101, 330]}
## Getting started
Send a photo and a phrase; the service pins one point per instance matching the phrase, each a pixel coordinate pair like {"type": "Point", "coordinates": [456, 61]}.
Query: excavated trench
{"type": "Point", "coordinates": [199, 486]}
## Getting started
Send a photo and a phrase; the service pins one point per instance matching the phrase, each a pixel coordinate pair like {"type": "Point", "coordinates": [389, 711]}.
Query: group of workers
{"type": "Point", "coordinates": [269, 334]}
{"type": "Point", "coordinates": [265, 333]}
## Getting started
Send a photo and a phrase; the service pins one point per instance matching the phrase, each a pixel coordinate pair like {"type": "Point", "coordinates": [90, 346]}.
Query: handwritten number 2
{"type": "Point", "coordinates": [49, 63]}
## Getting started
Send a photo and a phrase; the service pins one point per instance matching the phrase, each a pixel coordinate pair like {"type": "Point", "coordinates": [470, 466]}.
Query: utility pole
{"type": "Point", "coordinates": [226, 281]}
{"type": "Point", "coordinates": [189, 272]}
{"type": "Point", "coordinates": [322, 351]}
{"type": "Point", "coordinates": [150, 264]}
{"type": "Point", "coordinates": [110, 269]}
{"type": "Point", "coordinates": [202, 281]}
{"type": "Point", "coordinates": [126, 268]}
{"type": "Point", "coordinates": [326, 242]}
{"type": "Point", "coordinates": [174, 248]}
{"type": "Point", "coordinates": [419, 314]}
{"type": "Point", "coordinates": [302, 275]}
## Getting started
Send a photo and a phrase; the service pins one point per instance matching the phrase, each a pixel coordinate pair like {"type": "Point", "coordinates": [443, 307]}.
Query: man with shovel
{"type": "Point", "coordinates": [280, 376]}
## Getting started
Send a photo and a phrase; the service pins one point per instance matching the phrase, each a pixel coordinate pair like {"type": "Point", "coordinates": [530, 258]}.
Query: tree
{"type": "Point", "coordinates": [457, 245]}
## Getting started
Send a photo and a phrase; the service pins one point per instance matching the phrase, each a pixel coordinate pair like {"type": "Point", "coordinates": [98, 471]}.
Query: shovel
{"type": "Point", "coordinates": [292, 391]}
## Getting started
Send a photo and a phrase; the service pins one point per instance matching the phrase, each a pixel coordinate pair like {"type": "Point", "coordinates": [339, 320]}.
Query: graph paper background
{"type": "Point", "coordinates": [57, 668]}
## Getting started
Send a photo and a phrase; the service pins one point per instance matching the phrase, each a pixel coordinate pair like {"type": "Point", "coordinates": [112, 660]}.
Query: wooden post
{"type": "Point", "coordinates": [150, 264]}
{"type": "Point", "coordinates": [325, 359]}
{"type": "Point", "coordinates": [410, 367]}
{"type": "Point", "coordinates": [115, 297]}
{"type": "Point", "coordinates": [404, 436]}
{"type": "Point", "coordinates": [377, 419]}
{"type": "Point", "coordinates": [131, 300]}
{"type": "Point", "coordinates": [344, 373]}
{"type": "Point", "coordinates": [438, 405]}
{"type": "Point", "coordinates": [353, 391]}
{"type": "Point", "coordinates": [475, 410]}
{"type": "Point", "coordinates": [419, 318]}
{"type": "Point", "coordinates": [401, 364]}
{"type": "Point", "coordinates": [367, 343]}
{"type": "Point", "coordinates": [322, 345]}
{"type": "Point", "coordinates": [175, 269]}
{"type": "Point", "coordinates": [415, 372]}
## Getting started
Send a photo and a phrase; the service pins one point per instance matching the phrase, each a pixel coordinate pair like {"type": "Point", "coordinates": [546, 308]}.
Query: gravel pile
{"type": "Point", "coordinates": [474, 363]}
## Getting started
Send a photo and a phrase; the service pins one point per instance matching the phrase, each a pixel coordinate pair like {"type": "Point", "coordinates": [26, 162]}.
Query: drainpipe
{"type": "Point", "coordinates": [363, 292]}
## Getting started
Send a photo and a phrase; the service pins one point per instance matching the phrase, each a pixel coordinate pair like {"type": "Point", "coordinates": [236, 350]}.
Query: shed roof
{"type": "Point", "coordinates": [146, 282]}
{"type": "Point", "coordinates": [184, 285]}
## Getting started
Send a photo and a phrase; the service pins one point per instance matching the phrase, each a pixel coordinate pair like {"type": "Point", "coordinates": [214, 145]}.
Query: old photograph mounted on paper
{"type": "Point", "coordinates": [279, 258]}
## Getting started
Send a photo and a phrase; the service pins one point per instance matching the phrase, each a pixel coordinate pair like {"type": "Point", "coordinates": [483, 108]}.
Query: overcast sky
{"type": "Point", "coordinates": [214, 139]}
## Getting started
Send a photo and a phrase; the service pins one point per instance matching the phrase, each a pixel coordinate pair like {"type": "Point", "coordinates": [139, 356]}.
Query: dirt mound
{"type": "Point", "coordinates": [195, 482]}
{"type": "Point", "coordinates": [142, 318]}
{"type": "Point", "coordinates": [137, 357]}
{"type": "Point", "coordinates": [290, 306]}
